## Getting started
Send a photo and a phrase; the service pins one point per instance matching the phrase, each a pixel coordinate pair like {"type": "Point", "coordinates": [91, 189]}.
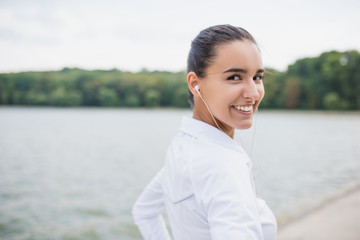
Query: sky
{"type": "Point", "coordinates": [156, 34]}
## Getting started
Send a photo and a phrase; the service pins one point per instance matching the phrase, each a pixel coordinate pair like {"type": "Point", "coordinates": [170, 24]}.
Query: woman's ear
{"type": "Point", "coordinates": [192, 81]}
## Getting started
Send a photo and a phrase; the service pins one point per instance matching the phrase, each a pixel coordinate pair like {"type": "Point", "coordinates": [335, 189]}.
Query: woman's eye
{"type": "Point", "coordinates": [234, 77]}
{"type": "Point", "coordinates": [258, 78]}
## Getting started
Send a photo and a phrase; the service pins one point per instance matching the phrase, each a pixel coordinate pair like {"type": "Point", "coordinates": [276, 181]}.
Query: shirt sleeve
{"type": "Point", "coordinates": [147, 211]}
{"type": "Point", "coordinates": [225, 189]}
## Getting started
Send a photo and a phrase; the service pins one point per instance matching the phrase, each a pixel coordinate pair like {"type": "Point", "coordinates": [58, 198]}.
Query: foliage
{"type": "Point", "coordinates": [108, 97]}
{"type": "Point", "coordinates": [329, 81]}
{"type": "Point", "coordinates": [292, 92]}
{"type": "Point", "coordinates": [332, 101]}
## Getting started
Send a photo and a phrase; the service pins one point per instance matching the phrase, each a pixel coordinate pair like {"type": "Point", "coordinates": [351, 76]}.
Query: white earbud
{"type": "Point", "coordinates": [197, 88]}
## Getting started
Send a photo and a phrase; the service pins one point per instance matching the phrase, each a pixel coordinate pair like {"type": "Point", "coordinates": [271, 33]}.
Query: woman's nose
{"type": "Point", "coordinates": [251, 90]}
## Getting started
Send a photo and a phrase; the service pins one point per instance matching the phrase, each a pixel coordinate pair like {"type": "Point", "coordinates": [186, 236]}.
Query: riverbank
{"type": "Point", "coordinates": [335, 219]}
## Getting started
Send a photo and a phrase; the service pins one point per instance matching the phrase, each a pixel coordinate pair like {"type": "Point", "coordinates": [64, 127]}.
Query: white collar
{"type": "Point", "coordinates": [208, 133]}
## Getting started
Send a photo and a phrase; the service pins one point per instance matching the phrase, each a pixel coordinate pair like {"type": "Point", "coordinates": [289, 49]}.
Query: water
{"type": "Point", "coordinates": [75, 173]}
{"type": "Point", "coordinates": [304, 158]}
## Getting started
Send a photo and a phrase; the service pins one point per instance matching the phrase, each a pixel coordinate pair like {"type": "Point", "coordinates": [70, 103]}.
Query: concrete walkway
{"type": "Point", "coordinates": [338, 219]}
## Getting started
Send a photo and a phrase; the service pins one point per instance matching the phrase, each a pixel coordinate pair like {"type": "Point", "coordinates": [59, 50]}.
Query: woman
{"type": "Point", "coordinates": [206, 184]}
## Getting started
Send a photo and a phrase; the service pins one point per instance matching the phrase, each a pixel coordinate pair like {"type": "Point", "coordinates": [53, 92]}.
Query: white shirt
{"type": "Point", "coordinates": [207, 189]}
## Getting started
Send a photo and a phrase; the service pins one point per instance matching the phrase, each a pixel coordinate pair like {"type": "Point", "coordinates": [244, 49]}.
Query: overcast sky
{"type": "Point", "coordinates": [156, 34]}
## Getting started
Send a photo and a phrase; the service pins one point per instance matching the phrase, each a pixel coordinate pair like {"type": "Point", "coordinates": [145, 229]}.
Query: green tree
{"type": "Point", "coordinates": [61, 97]}
{"type": "Point", "coordinates": [37, 98]}
{"type": "Point", "coordinates": [181, 97]}
{"type": "Point", "coordinates": [152, 98]}
{"type": "Point", "coordinates": [132, 100]}
{"type": "Point", "coordinates": [108, 97]}
{"type": "Point", "coordinates": [332, 101]}
{"type": "Point", "coordinates": [292, 92]}
{"type": "Point", "coordinates": [273, 82]}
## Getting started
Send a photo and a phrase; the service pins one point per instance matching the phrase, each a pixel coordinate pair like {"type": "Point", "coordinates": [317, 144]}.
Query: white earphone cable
{"type": "Point", "coordinates": [253, 136]}
{"type": "Point", "coordinates": [209, 111]}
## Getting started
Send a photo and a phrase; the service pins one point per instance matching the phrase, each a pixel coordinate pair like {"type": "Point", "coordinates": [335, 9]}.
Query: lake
{"type": "Point", "coordinates": [74, 173]}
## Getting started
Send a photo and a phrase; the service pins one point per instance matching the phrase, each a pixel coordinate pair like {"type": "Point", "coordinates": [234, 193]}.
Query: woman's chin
{"type": "Point", "coordinates": [244, 124]}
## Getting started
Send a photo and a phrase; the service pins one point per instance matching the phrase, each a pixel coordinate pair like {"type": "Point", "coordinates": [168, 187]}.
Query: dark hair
{"type": "Point", "coordinates": [203, 47]}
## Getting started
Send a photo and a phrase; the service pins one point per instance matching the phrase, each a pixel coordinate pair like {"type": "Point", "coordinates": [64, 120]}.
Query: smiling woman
{"type": "Point", "coordinates": [206, 183]}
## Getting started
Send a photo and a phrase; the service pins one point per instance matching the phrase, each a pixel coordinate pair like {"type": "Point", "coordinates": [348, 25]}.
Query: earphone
{"type": "Point", "coordinates": [197, 88]}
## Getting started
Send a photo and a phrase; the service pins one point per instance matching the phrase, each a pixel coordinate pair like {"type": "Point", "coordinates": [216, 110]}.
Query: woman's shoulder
{"type": "Point", "coordinates": [213, 161]}
{"type": "Point", "coordinates": [187, 153]}
{"type": "Point", "coordinates": [209, 153]}
{"type": "Point", "coordinates": [215, 169]}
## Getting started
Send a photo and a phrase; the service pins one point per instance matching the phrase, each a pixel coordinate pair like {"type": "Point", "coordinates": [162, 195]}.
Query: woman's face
{"type": "Point", "coordinates": [232, 86]}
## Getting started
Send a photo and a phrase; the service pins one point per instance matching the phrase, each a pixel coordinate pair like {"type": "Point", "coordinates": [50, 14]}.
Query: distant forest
{"type": "Point", "coordinates": [330, 81]}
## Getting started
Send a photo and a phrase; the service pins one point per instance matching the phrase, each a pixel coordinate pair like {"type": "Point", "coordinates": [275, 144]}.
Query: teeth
{"type": "Point", "coordinates": [244, 108]}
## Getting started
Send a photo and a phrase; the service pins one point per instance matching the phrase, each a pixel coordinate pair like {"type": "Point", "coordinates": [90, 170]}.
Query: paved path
{"type": "Point", "coordinates": [338, 219]}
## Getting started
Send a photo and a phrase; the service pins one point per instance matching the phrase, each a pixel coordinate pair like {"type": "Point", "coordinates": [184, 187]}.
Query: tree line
{"type": "Point", "coordinates": [329, 81]}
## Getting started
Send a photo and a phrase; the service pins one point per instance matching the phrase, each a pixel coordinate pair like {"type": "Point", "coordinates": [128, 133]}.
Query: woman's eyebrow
{"type": "Point", "coordinates": [242, 70]}
{"type": "Point", "coordinates": [235, 70]}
